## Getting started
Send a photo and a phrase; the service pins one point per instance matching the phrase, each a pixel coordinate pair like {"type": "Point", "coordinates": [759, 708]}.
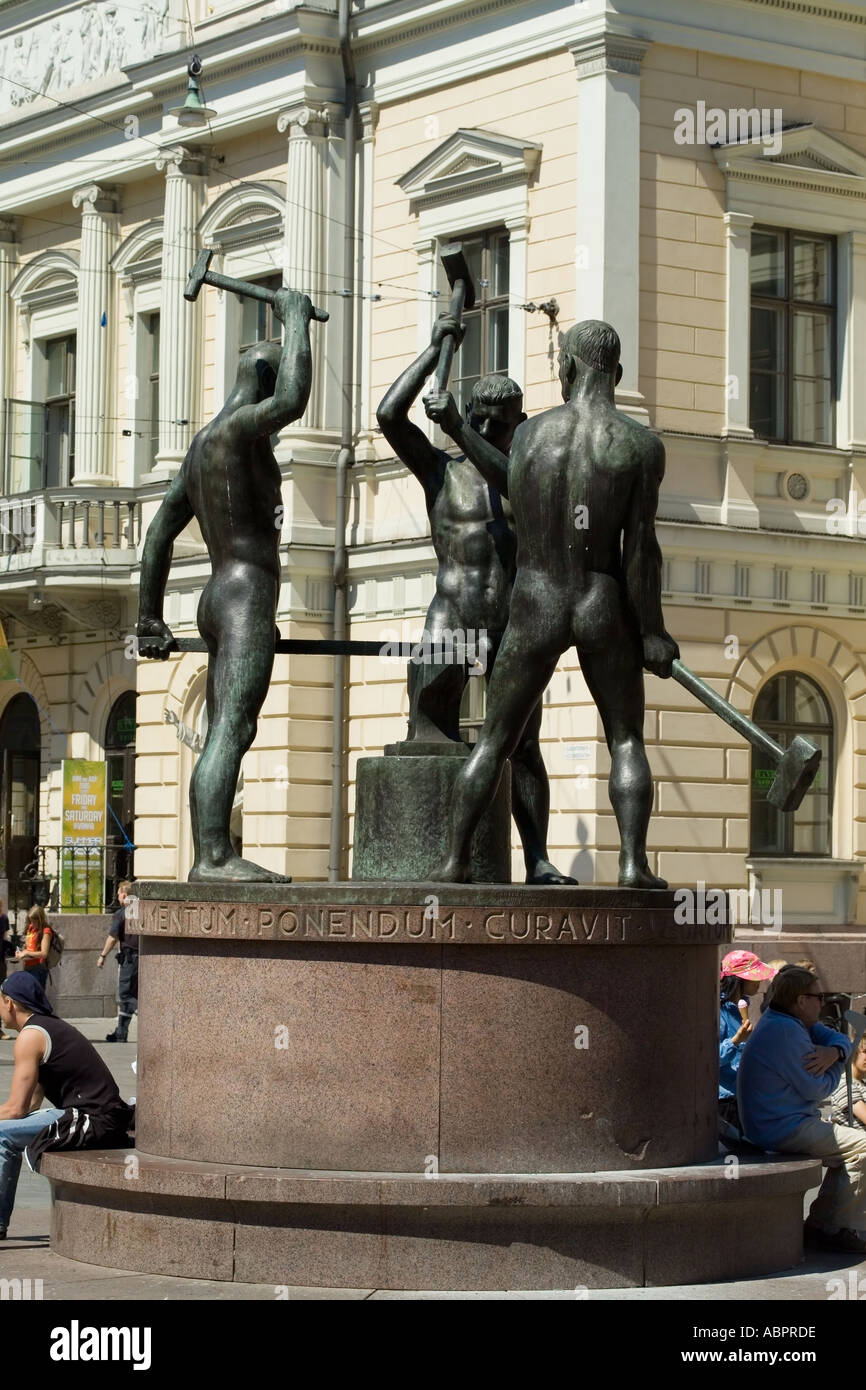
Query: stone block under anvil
{"type": "Point", "coordinates": [402, 808]}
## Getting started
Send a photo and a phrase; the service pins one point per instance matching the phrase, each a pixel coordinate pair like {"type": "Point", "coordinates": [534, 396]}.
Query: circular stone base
{"type": "Point", "coordinates": [395, 1231]}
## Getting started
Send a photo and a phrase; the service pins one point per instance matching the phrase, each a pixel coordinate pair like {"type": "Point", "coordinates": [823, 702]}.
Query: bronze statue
{"type": "Point", "coordinates": [230, 482]}
{"type": "Point", "coordinates": [583, 482]}
{"type": "Point", "coordinates": [473, 536]}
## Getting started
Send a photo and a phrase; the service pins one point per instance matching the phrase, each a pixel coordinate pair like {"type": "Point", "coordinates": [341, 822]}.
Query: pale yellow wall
{"type": "Point", "coordinates": [682, 270]}
{"type": "Point", "coordinates": [536, 101]}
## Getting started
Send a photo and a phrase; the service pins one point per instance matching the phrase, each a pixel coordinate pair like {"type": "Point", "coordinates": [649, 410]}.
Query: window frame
{"type": "Point", "coordinates": [778, 729]}
{"type": "Point", "coordinates": [790, 307]}
{"type": "Point", "coordinates": [483, 308]}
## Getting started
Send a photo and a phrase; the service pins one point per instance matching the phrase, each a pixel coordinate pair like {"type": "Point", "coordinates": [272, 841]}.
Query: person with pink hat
{"type": "Point", "coordinates": [741, 974]}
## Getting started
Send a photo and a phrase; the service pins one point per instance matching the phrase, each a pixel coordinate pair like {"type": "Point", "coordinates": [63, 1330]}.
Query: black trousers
{"type": "Point", "coordinates": [127, 984]}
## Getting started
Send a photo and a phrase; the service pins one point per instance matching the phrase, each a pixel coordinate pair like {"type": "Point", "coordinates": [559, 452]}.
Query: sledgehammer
{"type": "Point", "coordinates": [462, 297]}
{"type": "Point", "coordinates": [202, 275]}
{"type": "Point", "coordinates": [796, 767]}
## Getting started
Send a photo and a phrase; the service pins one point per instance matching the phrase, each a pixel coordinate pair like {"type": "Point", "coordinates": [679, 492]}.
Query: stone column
{"type": "Point", "coordinates": [179, 320]}
{"type": "Point", "coordinates": [738, 245]}
{"type": "Point", "coordinates": [305, 263]}
{"type": "Point", "coordinates": [8, 267]}
{"type": "Point", "coordinates": [608, 195]}
{"type": "Point", "coordinates": [852, 292]}
{"type": "Point", "coordinates": [94, 376]}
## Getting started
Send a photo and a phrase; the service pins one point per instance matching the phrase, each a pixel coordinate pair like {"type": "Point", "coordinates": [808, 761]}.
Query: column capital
{"type": "Point", "coordinates": [738, 224]}
{"type": "Point", "coordinates": [313, 119]}
{"type": "Point", "coordinates": [92, 198]}
{"type": "Point", "coordinates": [8, 230]}
{"type": "Point", "coordinates": [607, 52]}
{"type": "Point", "coordinates": [181, 161]}
{"type": "Point", "coordinates": [369, 113]}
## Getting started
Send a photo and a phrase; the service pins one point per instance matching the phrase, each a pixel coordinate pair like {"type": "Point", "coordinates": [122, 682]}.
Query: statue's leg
{"type": "Point", "coordinates": [530, 803]}
{"type": "Point", "coordinates": [521, 672]}
{"type": "Point", "coordinates": [615, 680]}
{"type": "Point", "coordinates": [239, 628]}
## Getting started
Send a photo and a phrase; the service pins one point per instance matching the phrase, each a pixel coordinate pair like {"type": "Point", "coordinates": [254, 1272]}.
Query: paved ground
{"type": "Point", "coordinates": [26, 1253]}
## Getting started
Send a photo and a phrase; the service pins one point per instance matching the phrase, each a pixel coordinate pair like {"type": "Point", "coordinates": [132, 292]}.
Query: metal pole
{"type": "Point", "coordinates": [345, 458]}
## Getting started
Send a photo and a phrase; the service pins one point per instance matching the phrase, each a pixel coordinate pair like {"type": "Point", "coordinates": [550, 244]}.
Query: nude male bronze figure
{"type": "Point", "coordinates": [230, 482]}
{"type": "Point", "coordinates": [583, 482]}
{"type": "Point", "coordinates": [473, 537]}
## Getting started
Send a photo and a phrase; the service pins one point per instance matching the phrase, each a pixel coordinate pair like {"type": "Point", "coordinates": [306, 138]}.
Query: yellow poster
{"type": "Point", "coordinates": [82, 877]}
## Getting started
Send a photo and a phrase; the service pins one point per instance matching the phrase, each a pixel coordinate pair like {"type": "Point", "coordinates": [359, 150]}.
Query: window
{"type": "Point", "coordinates": [151, 367]}
{"type": "Point", "coordinates": [120, 759]}
{"type": "Point", "coordinates": [20, 754]}
{"type": "Point", "coordinates": [473, 708]}
{"type": "Point", "coordinates": [485, 345]}
{"type": "Point", "coordinates": [59, 420]}
{"type": "Point", "coordinates": [793, 323]}
{"type": "Point", "coordinates": [258, 323]}
{"type": "Point", "coordinates": [788, 705]}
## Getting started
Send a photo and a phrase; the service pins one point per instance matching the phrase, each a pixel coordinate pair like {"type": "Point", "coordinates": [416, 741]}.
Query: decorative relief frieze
{"type": "Point", "coordinates": [83, 45]}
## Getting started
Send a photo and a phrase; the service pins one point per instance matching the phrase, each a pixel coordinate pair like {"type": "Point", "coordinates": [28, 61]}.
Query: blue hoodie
{"type": "Point", "coordinates": [775, 1092]}
{"type": "Point", "coordinates": [730, 1022]}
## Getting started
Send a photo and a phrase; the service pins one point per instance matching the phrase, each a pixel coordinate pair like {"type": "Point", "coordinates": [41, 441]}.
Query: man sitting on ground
{"type": "Point", "coordinates": [51, 1058]}
{"type": "Point", "coordinates": [789, 1066]}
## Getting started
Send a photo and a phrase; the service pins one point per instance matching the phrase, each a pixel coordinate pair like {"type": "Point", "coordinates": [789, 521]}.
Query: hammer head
{"type": "Point", "coordinates": [795, 774]}
{"type": "Point", "coordinates": [454, 263]}
{"type": "Point", "coordinates": [197, 274]}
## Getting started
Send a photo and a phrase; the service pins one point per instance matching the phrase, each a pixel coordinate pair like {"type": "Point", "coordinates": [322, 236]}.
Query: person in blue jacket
{"type": "Point", "coordinates": [741, 975]}
{"type": "Point", "coordinates": [792, 1063]}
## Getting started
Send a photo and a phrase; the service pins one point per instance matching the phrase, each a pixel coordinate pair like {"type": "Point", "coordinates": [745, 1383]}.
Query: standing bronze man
{"type": "Point", "coordinates": [230, 482]}
{"type": "Point", "coordinates": [583, 482]}
{"type": "Point", "coordinates": [473, 537]}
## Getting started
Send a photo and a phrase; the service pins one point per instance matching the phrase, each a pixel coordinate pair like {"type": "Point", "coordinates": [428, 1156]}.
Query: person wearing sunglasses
{"type": "Point", "coordinates": [792, 1064]}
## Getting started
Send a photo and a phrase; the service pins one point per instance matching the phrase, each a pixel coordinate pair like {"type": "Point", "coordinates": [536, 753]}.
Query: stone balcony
{"type": "Point", "coordinates": [68, 528]}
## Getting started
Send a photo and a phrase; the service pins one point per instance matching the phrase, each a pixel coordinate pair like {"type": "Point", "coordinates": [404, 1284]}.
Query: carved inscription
{"type": "Point", "coordinates": [311, 922]}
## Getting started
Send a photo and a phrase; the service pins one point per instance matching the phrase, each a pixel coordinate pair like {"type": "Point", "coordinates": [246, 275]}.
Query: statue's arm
{"type": "Point", "coordinates": [491, 464]}
{"type": "Point", "coordinates": [174, 514]}
{"type": "Point", "coordinates": [294, 376]}
{"type": "Point", "coordinates": [409, 443]}
{"type": "Point", "coordinates": [642, 562]}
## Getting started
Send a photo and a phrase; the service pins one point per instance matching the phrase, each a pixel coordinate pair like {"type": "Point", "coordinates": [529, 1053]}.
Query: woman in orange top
{"type": "Point", "coordinates": [34, 957]}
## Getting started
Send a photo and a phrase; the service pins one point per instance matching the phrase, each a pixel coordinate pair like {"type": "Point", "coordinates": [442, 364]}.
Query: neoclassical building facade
{"type": "Point", "coordinates": [695, 174]}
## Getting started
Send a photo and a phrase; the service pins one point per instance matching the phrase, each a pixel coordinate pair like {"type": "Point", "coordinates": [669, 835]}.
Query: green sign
{"type": "Point", "coordinates": [82, 868]}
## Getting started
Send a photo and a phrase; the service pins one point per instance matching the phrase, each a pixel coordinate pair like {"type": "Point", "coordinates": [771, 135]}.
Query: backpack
{"type": "Point", "coordinates": [55, 950]}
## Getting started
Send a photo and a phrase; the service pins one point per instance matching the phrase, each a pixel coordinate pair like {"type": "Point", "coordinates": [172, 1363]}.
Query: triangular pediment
{"type": "Point", "coordinates": [469, 159]}
{"type": "Point", "coordinates": [798, 155]}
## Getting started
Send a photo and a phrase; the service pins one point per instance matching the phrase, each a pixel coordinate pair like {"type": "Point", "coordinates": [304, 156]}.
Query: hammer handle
{"type": "Point", "coordinates": [713, 701]}
{"type": "Point", "coordinates": [246, 287]}
{"type": "Point", "coordinates": [449, 346]}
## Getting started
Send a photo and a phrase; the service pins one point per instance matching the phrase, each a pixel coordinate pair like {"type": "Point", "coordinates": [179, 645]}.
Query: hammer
{"type": "Point", "coordinates": [796, 767]}
{"type": "Point", "coordinates": [462, 297]}
{"type": "Point", "coordinates": [201, 275]}
{"type": "Point", "coordinates": [857, 1022]}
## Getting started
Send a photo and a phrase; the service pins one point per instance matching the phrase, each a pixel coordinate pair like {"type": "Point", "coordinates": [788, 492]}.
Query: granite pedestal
{"type": "Point", "coordinates": [353, 1085]}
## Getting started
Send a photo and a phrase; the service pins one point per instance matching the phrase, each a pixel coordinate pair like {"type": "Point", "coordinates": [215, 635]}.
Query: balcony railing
{"type": "Point", "coordinates": [69, 519]}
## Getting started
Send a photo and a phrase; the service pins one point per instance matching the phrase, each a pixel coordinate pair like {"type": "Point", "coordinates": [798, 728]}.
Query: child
{"type": "Point", "coordinates": [839, 1098]}
{"type": "Point", "coordinates": [34, 957]}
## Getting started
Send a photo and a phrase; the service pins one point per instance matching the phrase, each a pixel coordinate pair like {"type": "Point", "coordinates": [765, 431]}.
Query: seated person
{"type": "Point", "coordinates": [741, 975]}
{"type": "Point", "coordinates": [791, 1064]}
{"type": "Point", "coordinates": [51, 1057]}
{"type": "Point", "coordinates": [839, 1099]}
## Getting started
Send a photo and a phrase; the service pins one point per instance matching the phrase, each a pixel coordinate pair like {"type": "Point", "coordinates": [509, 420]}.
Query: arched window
{"type": "Point", "coordinates": [788, 705]}
{"type": "Point", "coordinates": [120, 758]}
{"type": "Point", "coordinates": [20, 750]}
